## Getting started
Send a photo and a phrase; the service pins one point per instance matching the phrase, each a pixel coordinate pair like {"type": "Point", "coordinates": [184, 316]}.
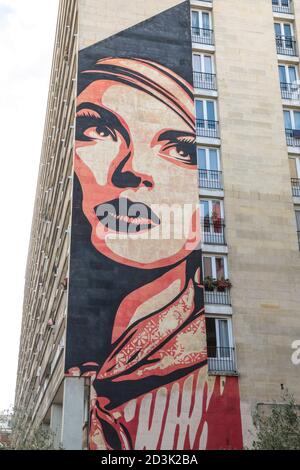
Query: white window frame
{"type": "Point", "coordinates": [213, 265]}
{"type": "Point", "coordinates": [219, 357]}
{"type": "Point", "coordinates": [279, 3]}
{"type": "Point", "coordinates": [200, 16]}
{"type": "Point", "coordinates": [287, 66]}
{"type": "Point", "coordinates": [296, 211]}
{"type": "Point", "coordinates": [282, 24]}
{"type": "Point", "coordinates": [292, 116]}
{"type": "Point", "coordinates": [202, 62]}
{"type": "Point", "coordinates": [298, 167]}
{"type": "Point", "coordinates": [205, 116]}
{"type": "Point", "coordinates": [210, 205]}
{"type": "Point", "coordinates": [207, 158]}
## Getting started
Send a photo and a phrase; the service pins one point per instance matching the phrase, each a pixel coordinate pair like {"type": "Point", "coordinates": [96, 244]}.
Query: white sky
{"type": "Point", "coordinates": [27, 30]}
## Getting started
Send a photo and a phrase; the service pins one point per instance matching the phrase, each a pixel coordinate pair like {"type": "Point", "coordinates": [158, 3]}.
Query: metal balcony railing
{"type": "Point", "coordinates": [282, 6]}
{"type": "Point", "coordinates": [221, 360]}
{"type": "Point", "coordinates": [296, 187]}
{"type": "Point", "coordinates": [210, 179]}
{"type": "Point", "coordinates": [205, 81]}
{"type": "Point", "coordinates": [290, 91]}
{"type": "Point", "coordinates": [292, 137]}
{"type": "Point", "coordinates": [207, 128]}
{"type": "Point", "coordinates": [217, 298]}
{"type": "Point", "coordinates": [286, 45]}
{"type": "Point", "coordinates": [213, 231]}
{"type": "Point", "coordinates": [203, 36]}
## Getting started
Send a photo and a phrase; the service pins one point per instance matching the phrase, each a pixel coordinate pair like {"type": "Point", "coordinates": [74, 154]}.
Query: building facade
{"type": "Point", "coordinates": [161, 115]}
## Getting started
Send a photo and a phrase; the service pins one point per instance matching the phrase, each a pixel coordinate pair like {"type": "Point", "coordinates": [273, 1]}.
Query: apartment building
{"type": "Point", "coordinates": [126, 340]}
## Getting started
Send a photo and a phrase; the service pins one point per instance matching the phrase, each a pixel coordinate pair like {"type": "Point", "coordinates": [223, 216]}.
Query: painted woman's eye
{"type": "Point", "coordinates": [181, 152]}
{"type": "Point", "coordinates": [100, 133]}
{"type": "Point", "coordinates": [177, 146]}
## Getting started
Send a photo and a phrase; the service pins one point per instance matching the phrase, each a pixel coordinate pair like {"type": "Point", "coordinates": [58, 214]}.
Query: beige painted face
{"type": "Point", "coordinates": [137, 162]}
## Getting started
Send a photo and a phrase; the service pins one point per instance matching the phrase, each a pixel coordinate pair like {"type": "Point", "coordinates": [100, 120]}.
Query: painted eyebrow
{"type": "Point", "coordinates": [98, 113]}
{"type": "Point", "coordinates": [179, 136]}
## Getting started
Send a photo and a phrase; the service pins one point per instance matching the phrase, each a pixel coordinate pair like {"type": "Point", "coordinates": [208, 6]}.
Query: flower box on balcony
{"type": "Point", "coordinates": [223, 285]}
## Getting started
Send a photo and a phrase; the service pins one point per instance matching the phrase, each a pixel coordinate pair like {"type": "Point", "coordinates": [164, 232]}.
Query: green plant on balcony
{"type": "Point", "coordinates": [210, 283]}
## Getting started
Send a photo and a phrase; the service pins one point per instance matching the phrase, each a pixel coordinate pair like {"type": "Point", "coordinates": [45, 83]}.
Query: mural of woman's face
{"type": "Point", "coordinates": [131, 148]}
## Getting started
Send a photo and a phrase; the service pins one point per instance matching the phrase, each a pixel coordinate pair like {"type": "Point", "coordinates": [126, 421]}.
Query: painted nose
{"type": "Point", "coordinates": [130, 178]}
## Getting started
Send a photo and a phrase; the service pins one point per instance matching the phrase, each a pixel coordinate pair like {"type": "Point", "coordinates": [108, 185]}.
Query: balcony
{"type": "Point", "coordinates": [203, 36]}
{"type": "Point", "coordinates": [216, 297]}
{"type": "Point", "coordinates": [286, 45]}
{"type": "Point", "coordinates": [292, 137]}
{"type": "Point", "coordinates": [205, 81]}
{"type": "Point", "coordinates": [207, 128]}
{"type": "Point", "coordinates": [213, 231]}
{"type": "Point", "coordinates": [296, 187]}
{"type": "Point", "coordinates": [210, 179]}
{"type": "Point", "coordinates": [290, 91]}
{"type": "Point", "coordinates": [282, 6]}
{"type": "Point", "coordinates": [221, 360]}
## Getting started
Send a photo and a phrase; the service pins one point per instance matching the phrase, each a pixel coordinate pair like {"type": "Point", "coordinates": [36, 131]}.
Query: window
{"type": "Point", "coordinates": [298, 225]}
{"type": "Point", "coordinates": [289, 82]}
{"type": "Point", "coordinates": [202, 27]}
{"type": "Point", "coordinates": [206, 123]}
{"type": "Point", "coordinates": [292, 119]}
{"type": "Point", "coordinates": [212, 216]}
{"type": "Point", "coordinates": [219, 337]}
{"type": "Point", "coordinates": [285, 39]}
{"type": "Point", "coordinates": [283, 29]}
{"type": "Point", "coordinates": [206, 111]}
{"type": "Point", "coordinates": [203, 63]}
{"type": "Point", "coordinates": [201, 20]}
{"type": "Point", "coordinates": [208, 159]}
{"type": "Point", "coordinates": [294, 167]}
{"type": "Point", "coordinates": [204, 76]}
{"type": "Point", "coordinates": [282, 6]}
{"type": "Point", "coordinates": [298, 220]}
{"type": "Point", "coordinates": [220, 346]}
{"type": "Point", "coordinates": [292, 127]}
{"type": "Point", "coordinates": [215, 267]}
{"type": "Point", "coordinates": [209, 168]}
{"type": "Point", "coordinates": [288, 74]}
{"type": "Point", "coordinates": [212, 210]}
{"type": "Point", "coordinates": [281, 3]}
{"type": "Point", "coordinates": [295, 175]}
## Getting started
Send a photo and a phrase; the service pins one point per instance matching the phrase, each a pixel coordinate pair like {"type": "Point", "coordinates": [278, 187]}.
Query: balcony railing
{"type": "Point", "coordinates": [282, 6]}
{"type": "Point", "coordinates": [290, 91]}
{"type": "Point", "coordinates": [296, 187]}
{"type": "Point", "coordinates": [207, 128]}
{"type": "Point", "coordinates": [286, 45]}
{"type": "Point", "coordinates": [217, 298]}
{"type": "Point", "coordinates": [213, 231]}
{"type": "Point", "coordinates": [221, 360]}
{"type": "Point", "coordinates": [205, 81]}
{"type": "Point", "coordinates": [203, 36]}
{"type": "Point", "coordinates": [210, 179]}
{"type": "Point", "coordinates": [292, 137]}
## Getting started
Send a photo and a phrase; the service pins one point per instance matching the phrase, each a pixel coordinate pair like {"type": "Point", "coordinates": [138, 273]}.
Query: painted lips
{"type": "Point", "coordinates": [123, 215]}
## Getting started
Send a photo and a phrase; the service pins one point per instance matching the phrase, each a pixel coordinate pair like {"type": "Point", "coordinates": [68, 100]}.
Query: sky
{"type": "Point", "coordinates": [27, 30]}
